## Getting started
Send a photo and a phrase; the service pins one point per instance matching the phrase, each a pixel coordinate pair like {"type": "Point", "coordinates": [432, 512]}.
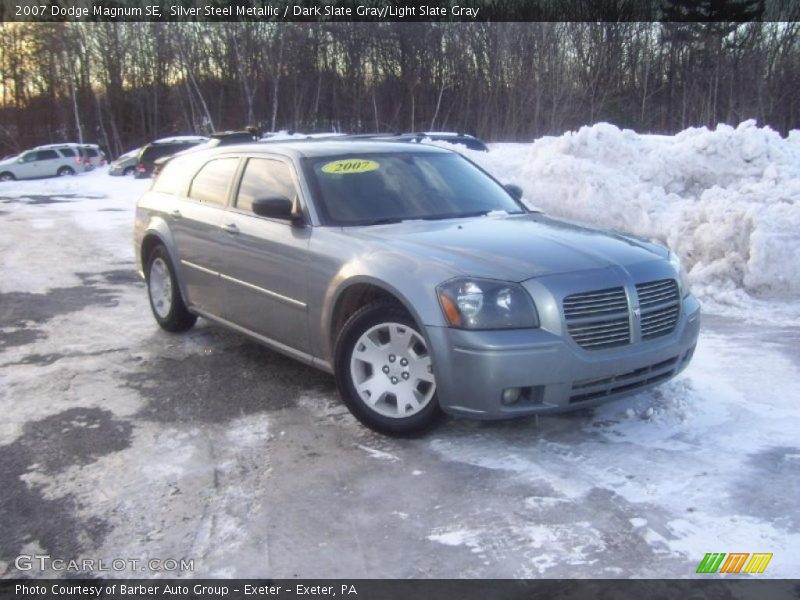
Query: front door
{"type": "Point", "coordinates": [264, 277]}
{"type": "Point", "coordinates": [195, 224]}
{"type": "Point", "coordinates": [27, 165]}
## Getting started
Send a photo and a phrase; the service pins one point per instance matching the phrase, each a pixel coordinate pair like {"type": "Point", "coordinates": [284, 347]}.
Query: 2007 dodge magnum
{"type": "Point", "coordinates": [413, 276]}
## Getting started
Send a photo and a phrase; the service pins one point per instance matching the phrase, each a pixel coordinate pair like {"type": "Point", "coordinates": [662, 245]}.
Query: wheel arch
{"type": "Point", "coordinates": [352, 295]}
{"type": "Point", "coordinates": [154, 237]}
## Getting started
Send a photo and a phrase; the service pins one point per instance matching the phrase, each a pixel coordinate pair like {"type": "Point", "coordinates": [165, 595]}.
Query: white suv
{"type": "Point", "coordinates": [90, 153]}
{"type": "Point", "coordinates": [59, 160]}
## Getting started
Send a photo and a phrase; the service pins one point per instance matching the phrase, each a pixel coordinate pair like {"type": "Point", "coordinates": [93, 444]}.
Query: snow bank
{"type": "Point", "coordinates": [727, 201]}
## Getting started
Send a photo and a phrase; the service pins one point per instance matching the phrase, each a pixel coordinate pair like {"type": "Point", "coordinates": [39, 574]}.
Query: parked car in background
{"type": "Point", "coordinates": [95, 156]}
{"type": "Point", "coordinates": [451, 137]}
{"type": "Point", "coordinates": [91, 154]}
{"type": "Point", "coordinates": [470, 141]}
{"type": "Point", "coordinates": [51, 161]}
{"type": "Point", "coordinates": [145, 160]}
{"type": "Point", "coordinates": [125, 164]}
{"type": "Point", "coordinates": [413, 276]}
{"type": "Point", "coordinates": [222, 138]}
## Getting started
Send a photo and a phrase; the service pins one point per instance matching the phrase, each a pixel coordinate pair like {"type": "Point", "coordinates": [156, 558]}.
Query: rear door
{"type": "Point", "coordinates": [195, 224]}
{"type": "Point", "coordinates": [265, 271]}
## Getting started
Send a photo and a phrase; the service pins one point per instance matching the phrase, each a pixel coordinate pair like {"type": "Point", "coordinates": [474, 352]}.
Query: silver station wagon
{"type": "Point", "coordinates": [415, 278]}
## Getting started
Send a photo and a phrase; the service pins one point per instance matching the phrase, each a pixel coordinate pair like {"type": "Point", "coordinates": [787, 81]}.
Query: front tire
{"type": "Point", "coordinates": [7, 176]}
{"type": "Point", "coordinates": [164, 293]}
{"type": "Point", "coordinates": [384, 372]}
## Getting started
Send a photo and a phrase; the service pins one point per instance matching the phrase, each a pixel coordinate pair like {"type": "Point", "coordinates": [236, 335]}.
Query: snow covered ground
{"type": "Point", "coordinates": [119, 440]}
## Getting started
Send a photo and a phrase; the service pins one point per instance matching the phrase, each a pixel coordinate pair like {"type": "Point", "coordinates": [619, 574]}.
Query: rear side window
{"type": "Point", "coordinates": [173, 177]}
{"type": "Point", "coordinates": [153, 153]}
{"type": "Point", "coordinates": [47, 155]}
{"type": "Point", "coordinates": [91, 152]}
{"type": "Point", "coordinates": [68, 152]}
{"type": "Point", "coordinates": [264, 178]}
{"type": "Point", "coordinates": [211, 183]}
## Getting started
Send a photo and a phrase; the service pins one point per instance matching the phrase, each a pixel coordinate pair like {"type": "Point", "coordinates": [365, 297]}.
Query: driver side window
{"type": "Point", "coordinates": [264, 178]}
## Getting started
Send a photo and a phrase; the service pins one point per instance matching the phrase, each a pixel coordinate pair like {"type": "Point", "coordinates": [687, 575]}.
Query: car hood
{"type": "Point", "coordinates": [512, 248]}
{"type": "Point", "coordinates": [9, 161]}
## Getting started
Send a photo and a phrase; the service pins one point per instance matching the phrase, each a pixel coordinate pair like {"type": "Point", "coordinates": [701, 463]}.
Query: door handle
{"type": "Point", "coordinates": [231, 228]}
{"type": "Point", "coordinates": [175, 214]}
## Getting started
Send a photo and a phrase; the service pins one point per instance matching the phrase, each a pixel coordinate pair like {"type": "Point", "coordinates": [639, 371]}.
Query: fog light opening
{"type": "Point", "coordinates": [511, 396]}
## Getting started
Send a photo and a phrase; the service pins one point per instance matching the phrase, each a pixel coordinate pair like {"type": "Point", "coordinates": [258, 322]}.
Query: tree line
{"type": "Point", "coordinates": [122, 84]}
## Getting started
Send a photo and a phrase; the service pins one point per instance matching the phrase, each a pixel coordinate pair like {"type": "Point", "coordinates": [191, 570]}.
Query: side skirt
{"type": "Point", "coordinates": [268, 342]}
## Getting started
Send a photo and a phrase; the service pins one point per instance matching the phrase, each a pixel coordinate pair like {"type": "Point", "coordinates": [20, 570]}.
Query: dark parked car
{"type": "Point", "coordinates": [149, 153]}
{"type": "Point", "coordinates": [221, 138]}
{"type": "Point", "coordinates": [470, 141]}
{"type": "Point", "coordinates": [451, 137]}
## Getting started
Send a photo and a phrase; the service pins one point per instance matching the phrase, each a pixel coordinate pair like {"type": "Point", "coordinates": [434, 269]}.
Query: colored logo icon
{"type": "Point", "coordinates": [735, 562]}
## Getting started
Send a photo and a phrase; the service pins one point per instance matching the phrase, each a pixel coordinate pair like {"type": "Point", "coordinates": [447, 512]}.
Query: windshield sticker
{"type": "Point", "coordinates": [350, 165]}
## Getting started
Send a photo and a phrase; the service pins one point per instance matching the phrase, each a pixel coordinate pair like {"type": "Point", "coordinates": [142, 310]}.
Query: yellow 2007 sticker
{"type": "Point", "coordinates": [350, 165]}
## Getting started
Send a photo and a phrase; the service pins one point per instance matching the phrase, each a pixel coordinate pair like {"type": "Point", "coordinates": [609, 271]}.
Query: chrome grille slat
{"type": "Point", "coordinates": [594, 295]}
{"type": "Point", "coordinates": [658, 327]}
{"type": "Point", "coordinates": [600, 336]}
{"type": "Point", "coordinates": [654, 320]}
{"type": "Point", "coordinates": [656, 290]}
{"type": "Point", "coordinates": [649, 308]}
{"type": "Point", "coordinates": [598, 319]}
{"type": "Point", "coordinates": [664, 283]}
{"type": "Point", "coordinates": [585, 305]}
{"type": "Point", "coordinates": [597, 328]}
{"type": "Point", "coordinates": [656, 298]}
{"type": "Point", "coordinates": [594, 312]}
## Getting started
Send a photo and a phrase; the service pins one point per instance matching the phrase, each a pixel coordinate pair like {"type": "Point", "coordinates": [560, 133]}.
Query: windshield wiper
{"type": "Point", "coordinates": [466, 215]}
{"type": "Point", "coordinates": [382, 221]}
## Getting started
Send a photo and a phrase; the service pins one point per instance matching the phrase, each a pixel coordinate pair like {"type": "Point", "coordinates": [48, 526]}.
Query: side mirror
{"type": "Point", "coordinates": [514, 190]}
{"type": "Point", "coordinates": [277, 208]}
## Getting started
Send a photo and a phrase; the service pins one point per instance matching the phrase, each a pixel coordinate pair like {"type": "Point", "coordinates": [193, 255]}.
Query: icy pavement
{"type": "Point", "coordinates": [119, 440]}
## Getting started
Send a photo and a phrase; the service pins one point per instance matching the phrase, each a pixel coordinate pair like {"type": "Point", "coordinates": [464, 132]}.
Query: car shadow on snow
{"type": "Point", "coordinates": [224, 376]}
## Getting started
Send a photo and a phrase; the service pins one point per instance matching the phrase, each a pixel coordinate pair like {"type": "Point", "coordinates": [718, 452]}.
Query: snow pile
{"type": "Point", "coordinates": [727, 201]}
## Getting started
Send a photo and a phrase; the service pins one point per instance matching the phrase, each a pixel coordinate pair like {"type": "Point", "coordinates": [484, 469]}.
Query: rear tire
{"type": "Point", "coordinates": [384, 373]}
{"type": "Point", "coordinates": [7, 176]}
{"type": "Point", "coordinates": [168, 308]}
{"type": "Point", "coordinates": [129, 171]}
{"type": "Point", "coordinates": [65, 172]}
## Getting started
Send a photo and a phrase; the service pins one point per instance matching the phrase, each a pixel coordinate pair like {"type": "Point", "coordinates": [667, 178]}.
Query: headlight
{"type": "Point", "coordinates": [683, 281]}
{"type": "Point", "coordinates": [470, 303]}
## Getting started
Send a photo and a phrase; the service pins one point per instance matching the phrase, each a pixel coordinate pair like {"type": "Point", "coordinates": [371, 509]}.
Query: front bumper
{"type": "Point", "coordinates": [473, 368]}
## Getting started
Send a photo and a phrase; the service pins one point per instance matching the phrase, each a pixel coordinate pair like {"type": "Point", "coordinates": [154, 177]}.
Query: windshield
{"type": "Point", "coordinates": [370, 188]}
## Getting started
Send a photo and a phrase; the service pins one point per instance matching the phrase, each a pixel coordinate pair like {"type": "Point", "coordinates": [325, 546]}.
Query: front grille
{"type": "Point", "coordinates": [660, 304]}
{"type": "Point", "coordinates": [598, 320]}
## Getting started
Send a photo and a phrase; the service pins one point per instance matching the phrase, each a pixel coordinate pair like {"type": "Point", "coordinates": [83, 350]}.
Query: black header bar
{"type": "Point", "coordinates": [326, 11]}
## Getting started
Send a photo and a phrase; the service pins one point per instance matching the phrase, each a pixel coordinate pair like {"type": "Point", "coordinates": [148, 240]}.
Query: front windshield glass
{"type": "Point", "coordinates": [371, 188]}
